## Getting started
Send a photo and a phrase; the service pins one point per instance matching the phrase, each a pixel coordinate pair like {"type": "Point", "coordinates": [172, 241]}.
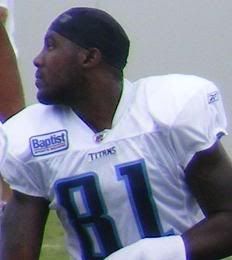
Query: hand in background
{"type": "Point", "coordinates": [3, 14]}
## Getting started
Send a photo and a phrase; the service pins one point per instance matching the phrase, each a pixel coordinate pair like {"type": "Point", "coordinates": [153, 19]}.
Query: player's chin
{"type": "Point", "coordinates": [45, 98]}
{"type": "Point", "coordinates": [50, 97]}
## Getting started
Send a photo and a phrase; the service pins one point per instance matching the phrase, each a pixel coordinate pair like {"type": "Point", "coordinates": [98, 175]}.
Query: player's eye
{"type": "Point", "coordinates": [49, 44]}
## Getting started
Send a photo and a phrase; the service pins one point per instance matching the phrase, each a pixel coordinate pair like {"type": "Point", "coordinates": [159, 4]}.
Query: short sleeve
{"type": "Point", "coordinates": [198, 124]}
{"type": "Point", "coordinates": [23, 177]}
{"type": "Point", "coordinates": [189, 112]}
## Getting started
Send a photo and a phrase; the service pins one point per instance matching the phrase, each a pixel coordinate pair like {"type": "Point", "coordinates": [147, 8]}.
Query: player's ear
{"type": "Point", "coordinates": [93, 57]}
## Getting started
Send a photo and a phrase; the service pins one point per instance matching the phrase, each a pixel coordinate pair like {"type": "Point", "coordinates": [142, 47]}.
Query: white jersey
{"type": "Point", "coordinates": [3, 146]}
{"type": "Point", "coordinates": [3, 151]}
{"type": "Point", "coordinates": [113, 188]}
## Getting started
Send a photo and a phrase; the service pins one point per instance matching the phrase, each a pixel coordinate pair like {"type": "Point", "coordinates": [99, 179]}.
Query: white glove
{"type": "Point", "coordinates": [162, 248]}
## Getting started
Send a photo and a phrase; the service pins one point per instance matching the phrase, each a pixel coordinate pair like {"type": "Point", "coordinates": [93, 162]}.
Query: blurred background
{"type": "Point", "coordinates": [167, 36]}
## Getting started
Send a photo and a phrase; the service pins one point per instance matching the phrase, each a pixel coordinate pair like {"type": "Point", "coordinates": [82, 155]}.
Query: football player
{"type": "Point", "coordinates": [134, 170]}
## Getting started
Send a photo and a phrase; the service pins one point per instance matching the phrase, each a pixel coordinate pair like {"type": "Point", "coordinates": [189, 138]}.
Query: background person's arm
{"type": "Point", "coordinates": [11, 90]}
{"type": "Point", "coordinates": [3, 14]}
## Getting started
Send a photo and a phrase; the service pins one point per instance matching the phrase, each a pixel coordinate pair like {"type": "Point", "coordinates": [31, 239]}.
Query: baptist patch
{"type": "Point", "coordinates": [49, 143]}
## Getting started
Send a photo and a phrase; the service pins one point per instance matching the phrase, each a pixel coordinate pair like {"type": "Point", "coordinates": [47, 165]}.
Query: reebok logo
{"type": "Point", "coordinates": [213, 97]}
{"type": "Point", "coordinates": [49, 143]}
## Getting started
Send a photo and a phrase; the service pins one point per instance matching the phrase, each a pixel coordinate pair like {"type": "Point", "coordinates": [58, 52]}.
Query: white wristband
{"type": "Point", "coordinates": [162, 248]}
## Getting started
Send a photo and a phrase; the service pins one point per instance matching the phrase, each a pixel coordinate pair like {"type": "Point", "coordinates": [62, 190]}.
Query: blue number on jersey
{"type": "Point", "coordinates": [135, 176]}
{"type": "Point", "coordinates": [93, 218]}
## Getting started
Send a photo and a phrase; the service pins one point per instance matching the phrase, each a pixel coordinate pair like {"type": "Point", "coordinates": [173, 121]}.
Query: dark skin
{"type": "Point", "coordinates": [75, 84]}
{"type": "Point", "coordinates": [11, 91]}
{"type": "Point", "coordinates": [209, 178]}
{"type": "Point", "coordinates": [209, 174]}
{"type": "Point", "coordinates": [3, 15]}
{"type": "Point", "coordinates": [30, 228]}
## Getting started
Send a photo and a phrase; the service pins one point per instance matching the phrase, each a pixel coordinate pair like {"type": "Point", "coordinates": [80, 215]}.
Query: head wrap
{"type": "Point", "coordinates": [90, 27]}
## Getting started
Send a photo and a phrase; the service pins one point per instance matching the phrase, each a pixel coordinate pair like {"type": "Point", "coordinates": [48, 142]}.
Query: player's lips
{"type": "Point", "coordinates": [38, 74]}
{"type": "Point", "coordinates": [38, 79]}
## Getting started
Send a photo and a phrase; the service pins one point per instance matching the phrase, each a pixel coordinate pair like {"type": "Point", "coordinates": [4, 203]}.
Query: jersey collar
{"type": "Point", "coordinates": [125, 102]}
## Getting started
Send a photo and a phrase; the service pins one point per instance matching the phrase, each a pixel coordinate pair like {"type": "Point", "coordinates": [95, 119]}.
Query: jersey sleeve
{"type": "Point", "coordinates": [199, 124]}
{"type": "Point", "coordinates": [20, 170]}
{"type": "Point", "coordinates": [23, 177]}
{"type": "Point", "coordinates": [190, 112]}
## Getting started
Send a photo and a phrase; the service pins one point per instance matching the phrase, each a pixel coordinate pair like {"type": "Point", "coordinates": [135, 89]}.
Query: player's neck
{"type": "Point", "coordinates": [98, 111]}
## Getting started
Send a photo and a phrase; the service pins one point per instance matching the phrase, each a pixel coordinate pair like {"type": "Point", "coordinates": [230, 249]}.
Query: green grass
{"type": "Point", "coordinates": [53, 247]}
{"type": "Point", "coordinates": [53, 244]}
